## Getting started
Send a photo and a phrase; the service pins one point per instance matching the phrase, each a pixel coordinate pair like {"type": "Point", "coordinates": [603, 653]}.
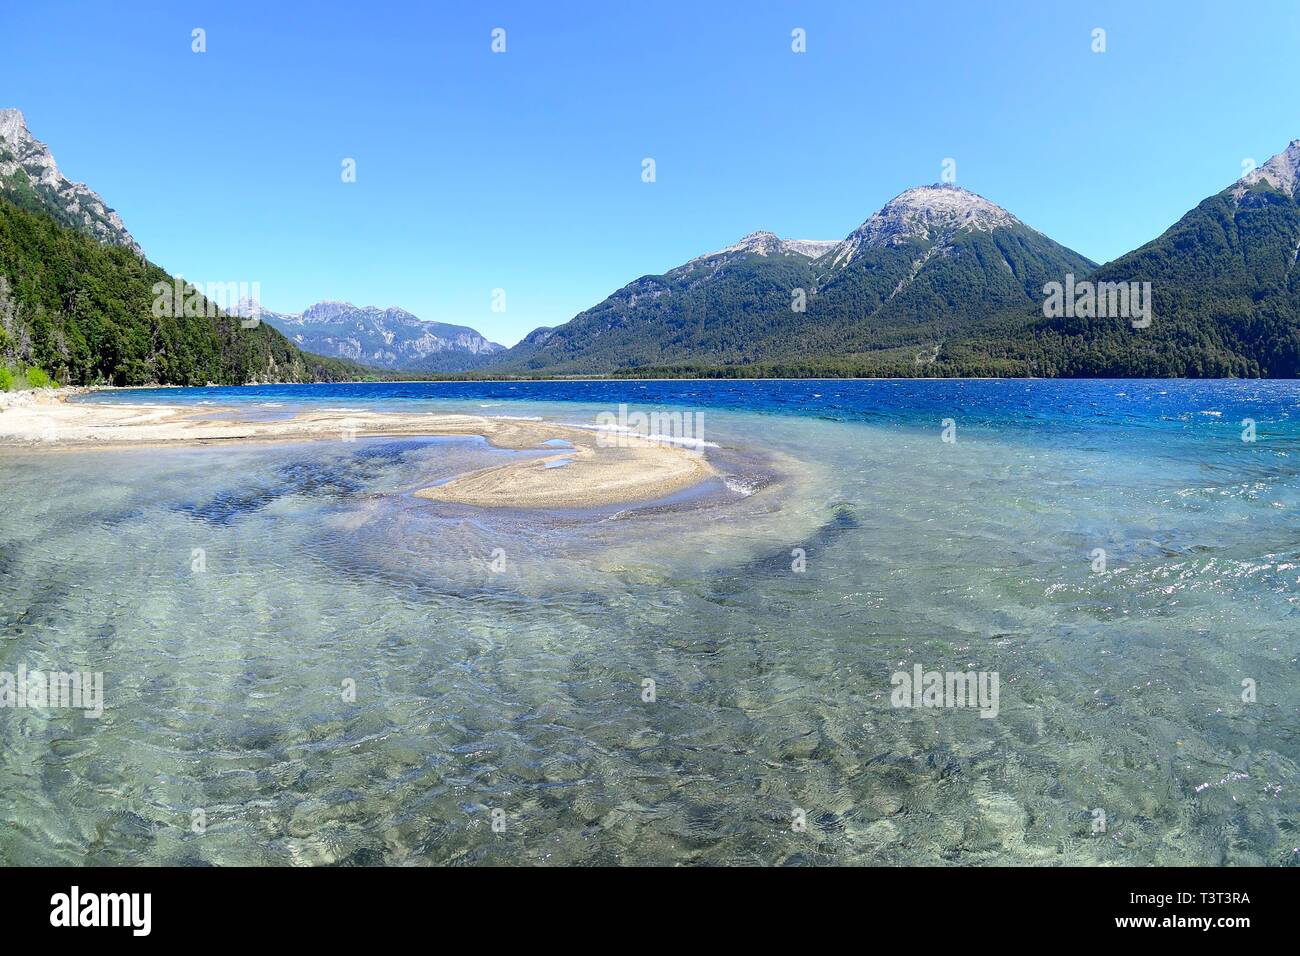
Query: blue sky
{"type": "Point", "coordinates": [522, 170]}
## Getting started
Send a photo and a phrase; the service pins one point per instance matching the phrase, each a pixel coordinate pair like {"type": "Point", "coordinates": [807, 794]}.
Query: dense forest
{"type": "Point", "coordinates": [82, 311]}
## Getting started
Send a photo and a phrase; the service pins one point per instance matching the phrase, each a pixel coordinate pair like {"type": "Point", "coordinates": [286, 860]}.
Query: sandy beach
{"type": "Point", "coordinates": [585, 474]}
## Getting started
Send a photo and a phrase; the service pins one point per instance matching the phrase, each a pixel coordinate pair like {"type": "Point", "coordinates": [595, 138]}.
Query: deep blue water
{"type": "Point", "coordinates": [1075, 403]}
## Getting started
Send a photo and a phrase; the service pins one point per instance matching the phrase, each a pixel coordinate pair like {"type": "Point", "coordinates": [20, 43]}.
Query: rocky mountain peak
{"type": "Point", "coordinates": [329, 310]}
{"type": "Point", "coordinates": [30, 176]}
{"type": "Point", "coordinates": [925, 213]}
{"type": "Point", "coordinates": [390, 338]}
{"type": "Point", "coordinates": [763, 243]}
{"type": "Point", "coordinates": [1281, 172]}
{"type": "Point", "coordinates": [13, 125]}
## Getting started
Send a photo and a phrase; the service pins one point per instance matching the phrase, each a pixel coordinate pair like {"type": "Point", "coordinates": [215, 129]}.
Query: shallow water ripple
{"type": "Point", "coordinates": [499, 659]}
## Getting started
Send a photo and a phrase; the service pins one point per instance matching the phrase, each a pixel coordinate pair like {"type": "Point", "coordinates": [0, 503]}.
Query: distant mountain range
{"type": "Point", "coordinates": [380, 338]}
{"type": "Point", "coordinates": [939, 282]}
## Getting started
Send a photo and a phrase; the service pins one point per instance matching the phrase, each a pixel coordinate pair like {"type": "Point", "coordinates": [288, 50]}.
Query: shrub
{"type": "Point", "coordinates": [37, 378]}
{"type": "Point", "coordinates": [6, 379]}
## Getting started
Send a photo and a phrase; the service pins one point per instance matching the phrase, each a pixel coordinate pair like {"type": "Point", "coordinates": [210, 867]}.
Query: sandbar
{"type": "Point", "coordinates": [593, 470]}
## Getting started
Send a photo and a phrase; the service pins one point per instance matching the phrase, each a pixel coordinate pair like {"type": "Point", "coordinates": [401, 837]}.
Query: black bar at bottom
{"type": "Point", "coordinates": [252, 905]}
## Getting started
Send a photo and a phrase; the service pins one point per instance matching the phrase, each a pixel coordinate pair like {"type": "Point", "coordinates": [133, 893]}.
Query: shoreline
{"type": "Point", "coordinates": [588, 472]}
{"type": "Point", "coordinates": [674, 378]}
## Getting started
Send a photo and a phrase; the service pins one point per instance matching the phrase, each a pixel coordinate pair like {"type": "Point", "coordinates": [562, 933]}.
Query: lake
{"type": "Point", "coordinates": [303, 663]}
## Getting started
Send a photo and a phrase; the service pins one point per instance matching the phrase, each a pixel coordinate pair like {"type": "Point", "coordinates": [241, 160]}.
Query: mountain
{"type": "Point", "coordinates": [30, 178]}
{"type": "Point", "coordinates": [1224, 288]}
{"type": "Point", "coordinates": [79, 301]}
{"type": "Point", "coordinates": [933, 261]}
{"type": "Point", "coordinates": [717, 308]}
{"type": "Point", "coordinates": [381, 338]}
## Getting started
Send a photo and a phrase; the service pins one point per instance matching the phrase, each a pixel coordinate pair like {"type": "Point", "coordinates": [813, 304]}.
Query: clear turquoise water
{"type": "Point", "coordinates": [520, 690]}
